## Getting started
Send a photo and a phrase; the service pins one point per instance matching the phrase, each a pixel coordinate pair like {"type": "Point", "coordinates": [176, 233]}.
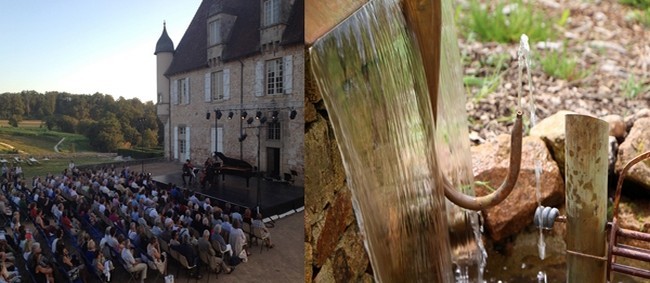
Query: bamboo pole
{"type": "Point", "coordinates": [586, 198]}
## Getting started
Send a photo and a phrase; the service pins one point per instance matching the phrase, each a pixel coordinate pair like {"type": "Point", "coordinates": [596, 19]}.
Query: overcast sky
{"type": "Point", "coordinates": [83, 47]}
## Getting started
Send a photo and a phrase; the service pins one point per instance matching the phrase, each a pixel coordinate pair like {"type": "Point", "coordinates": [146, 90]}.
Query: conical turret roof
{"type": "Point", "coordinates": [165, 43]}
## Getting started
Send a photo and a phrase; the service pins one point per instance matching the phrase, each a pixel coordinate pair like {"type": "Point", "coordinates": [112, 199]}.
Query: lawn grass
{"type": "Point", "coordinates": [495, 25]}
{"type": "Point", "coordinates": [560, 65]}
{"type": "Point", "coordinates": [31, 139]}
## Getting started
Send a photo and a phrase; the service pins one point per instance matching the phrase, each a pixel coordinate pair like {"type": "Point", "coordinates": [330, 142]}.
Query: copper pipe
{"type": "Point", "coordinates": [496, 197]}
{"type": "Point", "coordinates": [621, 178]}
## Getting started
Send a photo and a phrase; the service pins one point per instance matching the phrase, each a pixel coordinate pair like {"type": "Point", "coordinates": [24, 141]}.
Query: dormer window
{"type": "Point", "coordinates": [214, 32]}
{"type": "Point", "coordinates": [271, 12]}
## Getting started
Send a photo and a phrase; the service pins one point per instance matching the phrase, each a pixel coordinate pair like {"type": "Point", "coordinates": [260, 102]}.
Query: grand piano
{"type": "Point", "coordinates": [235, 167]}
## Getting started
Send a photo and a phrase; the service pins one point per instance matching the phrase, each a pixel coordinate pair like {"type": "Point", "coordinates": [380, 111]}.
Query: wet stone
{"type": "Point", "coordinates": [490, 162]}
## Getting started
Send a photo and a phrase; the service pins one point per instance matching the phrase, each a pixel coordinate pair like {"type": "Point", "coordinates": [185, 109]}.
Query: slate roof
{"type": "Point", "coordinates": [244, 41]}
{"type": "Point", "coordinates": [295, 31]}
{"type": "Point", "coordinates": [165, 43]}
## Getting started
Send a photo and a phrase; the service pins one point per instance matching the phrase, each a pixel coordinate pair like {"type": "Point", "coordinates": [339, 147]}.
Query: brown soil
{"type": "Point", "coordinates": [608, 46]}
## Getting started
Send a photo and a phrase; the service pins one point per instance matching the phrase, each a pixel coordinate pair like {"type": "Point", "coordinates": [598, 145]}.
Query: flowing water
{"type": "Point", "coordinates": [454, 157]}
{"type": "Point", "coordinates": [371, 78]}
{"type": "Point", "coordinates": [524, 61]}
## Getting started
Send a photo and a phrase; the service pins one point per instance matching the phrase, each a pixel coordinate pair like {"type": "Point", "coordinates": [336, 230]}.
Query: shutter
{"type": "Point", "coordinates": [287, 74]}
{"type": "Point", "coordinates": [187, 143]}
{"type": "Point", "coordinates": [175, 92]}
{"type": "Point", "coordinates": [175, 143]}
{"type": "Point", "coordinates": [208, 95]}
{"type": "Point", "coordinates": [213, 134]}
{"type": "Point", "coordinates": [226, 84]}
{"type": "Point", "coordinates": [220, 137]}
{"type": "Point", "coordinates": [187, 90]}
{"type": "Point", "coordinates": [259, 79]}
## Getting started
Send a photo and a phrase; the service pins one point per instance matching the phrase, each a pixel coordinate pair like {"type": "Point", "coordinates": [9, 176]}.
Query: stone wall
{"type": "Point", "coordinates": [334, 250]}
{"type": "Point", "coordinates": [193, 115]}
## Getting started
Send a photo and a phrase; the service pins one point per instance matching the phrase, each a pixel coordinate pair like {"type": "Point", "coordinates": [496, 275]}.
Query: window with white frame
{"type": "Point", "coordinates": [181, 144]}
{"type": "Point", "coordinates": [274, 130]}
{"type": "Point", "coordinates": [184, 90]}
{"type": "Point", "coordinates": [181, 139]}
{"type": "Point", "coordinates": [214, 32]}
{"type": "Point", "coordinates": [271, 12]}
{"type": "Point", "coordinates": [217, 85]}
{"type": "Point", "coordinates": [274, 76]}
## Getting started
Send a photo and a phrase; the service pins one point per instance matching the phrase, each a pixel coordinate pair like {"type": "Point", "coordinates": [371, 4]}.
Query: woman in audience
{"type": "Point", "coordinates": [238, 241]}
{"type": "Point", "coordinates": [40, 222]}
{"type": "Point", "coordinates": [159, 258]}
{"type": "Point", "coordinates": [25, 248]}
{"type": "Point", "coordinates": [15, 221]}
{"type": "Point", "coordinates": [103, 266]}
{"type": "Point", "coordinates": [43, 272]}
{"type": "Point", "coordinates": [6, 275]}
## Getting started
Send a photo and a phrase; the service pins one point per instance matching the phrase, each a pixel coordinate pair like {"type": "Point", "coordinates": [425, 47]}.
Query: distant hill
{"type": "Point", "coordinates": [34, 140]}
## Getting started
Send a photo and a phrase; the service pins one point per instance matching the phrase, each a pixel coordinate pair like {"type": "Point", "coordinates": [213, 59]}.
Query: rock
{"type": "Point", "coordinates": [339, 216]}
{"type": "Point", "coordinates": [636, 143]}
{"type": "Point", "coordinates": [551, 131]}
{"type": "Point", "coordinates": [612, 151]}
{"type": "Point", "coordinates": [630, 119]}
{"type": "Point", "coordinates": [325, 274]}
{"type": "Point", "coordinates": [332, 237]}
{"type": "Point", "coordinates": [352, 244]}
{"type": "Point", "coordinates": [309, 271]}
{"type": "Point", "coordinates": [490, 164]}
{"type": "Point", "coordinates": [616, 126]}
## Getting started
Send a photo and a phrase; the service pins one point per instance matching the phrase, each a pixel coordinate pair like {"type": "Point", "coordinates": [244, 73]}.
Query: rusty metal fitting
{"type": "Point", "coordinates": [496, 197]}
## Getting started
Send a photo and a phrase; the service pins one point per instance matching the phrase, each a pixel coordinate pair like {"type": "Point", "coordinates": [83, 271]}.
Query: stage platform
{"type": "Point", "coordinates": [275, 198]}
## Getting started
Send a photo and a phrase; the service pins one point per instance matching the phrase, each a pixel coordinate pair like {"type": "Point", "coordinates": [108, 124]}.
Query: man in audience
{"type": "Point", "coordinates": [205, 247]}
{"type": "Point", "coordinates": [187, 250]}
{"type": "Point", "coordinates": [219, 243]}
{"type": "Point", "coordinates": [133, 265]}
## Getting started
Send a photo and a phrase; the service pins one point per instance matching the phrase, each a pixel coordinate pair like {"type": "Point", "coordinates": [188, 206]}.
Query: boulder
{"type": "Point", "coordinates": [334, 250]}
{"type": "Point", "coordinates": [490, 166]}
{"type": "Point", "coordinates": [630, 119]}
{"type": "Point", "coordinates": [551, 131]}
{"type": "Point", "coordinates": [636, 143]}
{"type": "Point", "coordinates": [617, 126]}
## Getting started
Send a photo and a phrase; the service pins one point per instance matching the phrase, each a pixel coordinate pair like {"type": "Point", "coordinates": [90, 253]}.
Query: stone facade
{"type": "Point", "coordinates": [245, 91]}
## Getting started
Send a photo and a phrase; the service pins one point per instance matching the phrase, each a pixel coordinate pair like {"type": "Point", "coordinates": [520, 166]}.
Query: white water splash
{"type": "Point", "coordinates": [541, 277]}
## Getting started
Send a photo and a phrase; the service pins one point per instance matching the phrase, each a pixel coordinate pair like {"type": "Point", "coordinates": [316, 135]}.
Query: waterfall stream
{"type": "Point", "coordinates": [370, 75]}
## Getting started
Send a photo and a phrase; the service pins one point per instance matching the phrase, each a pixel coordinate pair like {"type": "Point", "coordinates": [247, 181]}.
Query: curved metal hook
{"type": "Point", "coordinates": [496, 197]}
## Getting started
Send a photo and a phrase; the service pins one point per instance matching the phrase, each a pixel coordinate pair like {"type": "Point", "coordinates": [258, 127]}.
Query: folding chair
{"type": "Point", "coordinates": [205, 258]}
{"type": "Point", "coordinates": [183, 263]}
{"type": "Point", "coordinates": [125, 266]}
{"type": "Point", "coordinates": [257, 233]}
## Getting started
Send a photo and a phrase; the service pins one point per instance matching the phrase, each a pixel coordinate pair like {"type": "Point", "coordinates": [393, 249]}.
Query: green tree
{"type": "Point", "coordinates": [150, 138]}
{"type": "Point", "coordinates": [14, 120]}
{"type": "Point", "coordinates": [67, 123]}
{"type": "Point", "coordinates": [106, 135]}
